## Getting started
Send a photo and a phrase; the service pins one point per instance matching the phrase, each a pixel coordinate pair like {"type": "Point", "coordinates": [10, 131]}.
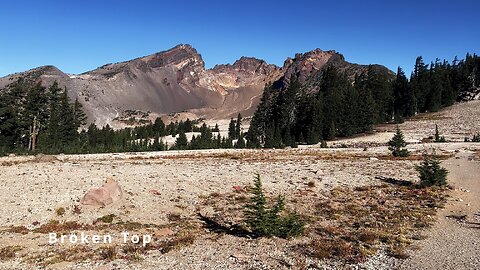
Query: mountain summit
{"type": "Point", "coordinates": [176, 80]}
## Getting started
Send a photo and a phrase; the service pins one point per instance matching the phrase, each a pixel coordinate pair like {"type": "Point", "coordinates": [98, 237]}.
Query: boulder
{"type": "Point", "coordinates": [45, 158]}
{"type": "Point", "coordinates": [109, 193]}
{"type": "Point", "coordinates": [164, 232]}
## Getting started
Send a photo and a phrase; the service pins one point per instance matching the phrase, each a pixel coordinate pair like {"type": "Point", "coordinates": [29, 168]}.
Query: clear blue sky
{"type": "Point", "coordinates": [77, 36]}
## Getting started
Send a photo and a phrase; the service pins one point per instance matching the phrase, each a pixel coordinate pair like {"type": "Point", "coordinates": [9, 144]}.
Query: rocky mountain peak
{"type": "Point", "coordinates": [246, 64]}
{"type": "Point", "coordinates": [176, 80]}
{"type": "Point", "coordinates": [304, 64]}
{"type": "Point", "coordinates": [183, 58]}
{"type": "Point", "coordinates": [179, 56]}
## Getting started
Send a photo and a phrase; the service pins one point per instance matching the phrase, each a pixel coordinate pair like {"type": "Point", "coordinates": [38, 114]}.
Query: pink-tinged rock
{"type": "Point", "coordinates": [109, 193]}
{"type": "Point", "coordinates": [154, 192]}
{"type": "Point", "coordinates": [237, 188]}
{"type": "Point", "coordinates": [164, 232]}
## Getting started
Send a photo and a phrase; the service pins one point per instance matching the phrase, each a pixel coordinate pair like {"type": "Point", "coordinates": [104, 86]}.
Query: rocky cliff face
{"type": "Point", "coordinates": [307, 67]}
{"type": "Point", "coordinates": [176, 80]}
{"type": "Point", "coordinates": [163, 83]}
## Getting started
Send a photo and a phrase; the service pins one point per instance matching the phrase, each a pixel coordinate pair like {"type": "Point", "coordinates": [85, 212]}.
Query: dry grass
{"type": "Point", "coordinates": [415, 157]}
{"type": "Point", "coordinates": [263, 155]}
{"type": "Point", "coordinates": [182, 240]}
{"type": "Point", "coordinates": [76, 210]}
{"type": "Point", "coordinates": [17, 229]}
{"type": "Point", "coordinates": [53, 256]}
{"type": "Point", "coordinates": [105, 219]}
{"type": "Point", "coordinates": [61, 227]}
{"type": "Point", "coordinates": [8, 252]}
{"type": "Point", "coordinates": [82, 253]}
{"type": "Point", "coordinates": [108, 253]}
{"type": "Point", "coordinates": [353, 223]}
{"type": "Point", "coordinates": [60, 211]}
{"type": "Point", "coordinates": [174, 217]}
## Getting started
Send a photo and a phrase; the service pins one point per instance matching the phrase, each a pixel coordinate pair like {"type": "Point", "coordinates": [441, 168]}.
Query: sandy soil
{"type": "Point", "coordinates": [164, 186]}
{"type": "Point", "coordinates": [31, 191]}
{"type": "Point", "coordinates": [454, 242]}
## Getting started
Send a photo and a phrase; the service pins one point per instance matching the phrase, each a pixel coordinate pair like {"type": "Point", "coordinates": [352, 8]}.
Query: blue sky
{"type": "Point", "coordinates": [77, 36]}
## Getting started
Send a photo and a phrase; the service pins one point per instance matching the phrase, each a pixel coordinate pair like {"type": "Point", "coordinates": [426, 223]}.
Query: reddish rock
{"type": "Point", "coordinates": [155, 192]}
{"type": "Point", "coordinates": [109, 193]}
{"type": "Point", "coordinates": [163, 232]}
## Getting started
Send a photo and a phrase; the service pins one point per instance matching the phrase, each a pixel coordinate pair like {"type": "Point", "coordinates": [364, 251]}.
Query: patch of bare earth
{"type": "Point", "coordinates": [354, 218]}
{"type": "Point", "coordinates": [165, 192]}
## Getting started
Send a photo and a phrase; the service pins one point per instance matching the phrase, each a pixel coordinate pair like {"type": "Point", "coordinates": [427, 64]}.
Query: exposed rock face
{"type": "Point", "coordinates": [176, 81]}
{"type": "Point", "coordinates": [307, 67]}
{"type": "Point", "coordinates": [473, 94]}
{"type": "Point", "coordinates": [109, 193]}
{"type": "Point", "coordinates": [166, 82]}
{"type": "Point", "coordinates": [244, 72]}
{"type": "Point", "coordinates": [303, 65]}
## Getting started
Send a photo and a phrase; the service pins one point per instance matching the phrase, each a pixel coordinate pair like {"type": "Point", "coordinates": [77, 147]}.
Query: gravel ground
{"type": "Point", "coordinates": [452, 243]}
{"type": "Point", "coordinates": [162, 184]}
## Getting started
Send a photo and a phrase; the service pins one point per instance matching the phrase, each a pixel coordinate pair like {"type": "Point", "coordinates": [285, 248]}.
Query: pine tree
{"type": "Point", "coordinates": [255, 211]}
{"type": "Point", "coordinates": [240, 142]}
{"type": "Point", "coordinates": [430, 171]}
{"type": "Point", "coordinates": [397, 144]}
{"type": "Point", "coordinates": [159, 127]}
{"type": "Point", "coordinates": [67, 125]}
{"type": "Point", "coordinates": [79, 116]}
{"type": "Point", "coordinates": [52, 139]}
{"type": "Point", "coordinates": [181, 143]}
{"type": "Point", "coordinates": [438, 138]}
{"type": "Point", "coordinates": [231, 129]}
{"type": "Point", "coordinates": [366, 104]}
{"type": "Point", "coordinates": [216, 128]}
{"type": "Point", "coordinates": [404, 101]}
{"type": "Point", "coordinates": [266, 221]}
{"type": "Point", "coordinates": [7, 127]}
{"type": "Point", "coordinates": [238, 126]}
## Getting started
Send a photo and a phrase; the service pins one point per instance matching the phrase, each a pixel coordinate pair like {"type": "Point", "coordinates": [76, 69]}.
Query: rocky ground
{"type": "Point", "coordinates": [166, 191]}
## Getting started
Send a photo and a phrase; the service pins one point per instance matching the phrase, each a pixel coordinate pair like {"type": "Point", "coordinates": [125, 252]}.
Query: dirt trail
{"type": "Point", "coordinates": [454, 241]}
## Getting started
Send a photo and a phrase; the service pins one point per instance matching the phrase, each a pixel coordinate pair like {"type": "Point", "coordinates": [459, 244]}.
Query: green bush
{"type": "Point", "coordinates": [430, 171]}
{"type": "Point", "coordinates": [323, 144]}
{"type": "Point", "coordinates": [438, 138]}
{"type": "Point", "coordinates": [264, 221]}
{"type": "Point", "coordinates": [476, 138]}
{"type": "Point", "coordinates": [397, 143]}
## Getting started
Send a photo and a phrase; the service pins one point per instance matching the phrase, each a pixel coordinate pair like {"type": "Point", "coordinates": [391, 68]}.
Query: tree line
{"type": "Point", "coordinates": [34, 118]}
{"type": "Point", "coordinates": [342, 106]}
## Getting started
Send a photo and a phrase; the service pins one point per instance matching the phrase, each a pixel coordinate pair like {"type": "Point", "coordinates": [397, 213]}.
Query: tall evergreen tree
{"type": "Point", "coordinates": [181, 143]}
{"type": "Point", "coordinates": [67, 125]}
{"type": "Point", "coordinates": [79, 116]}
{"type": "Point", "coordinates": [404, 101]}
{"type": "Point", "coordinates": [231, 129]}
{"type": "Point", "coordinates": [238, 126]}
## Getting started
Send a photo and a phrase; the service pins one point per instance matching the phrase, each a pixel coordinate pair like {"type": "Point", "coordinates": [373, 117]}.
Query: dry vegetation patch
{"type": "Point", "coordinates": [9, 252]}
{"type": "Point", "coordinates": [353, 223]}
{"type": "Point", "coordinates": [346, 224]}
{"type": "Point", "coordinates": [184, 234]}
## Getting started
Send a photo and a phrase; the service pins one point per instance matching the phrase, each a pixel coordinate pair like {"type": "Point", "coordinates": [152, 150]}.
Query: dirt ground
{"type": "Point", "coordinates": [454, 241]}
{"type": "Point", "coordinates": [166, 191]}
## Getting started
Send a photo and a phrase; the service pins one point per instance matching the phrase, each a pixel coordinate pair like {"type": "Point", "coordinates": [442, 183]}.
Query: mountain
{"type": "Point", "coordinates": [308, 67]}
{"type": "Point", "coordinates": [176, 81]}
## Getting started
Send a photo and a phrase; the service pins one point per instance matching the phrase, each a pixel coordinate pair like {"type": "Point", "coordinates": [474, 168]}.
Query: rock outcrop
{"type": "Point", "coordinates": [109, 193]}
{"type": "Point", "coordinates": [176, 81]}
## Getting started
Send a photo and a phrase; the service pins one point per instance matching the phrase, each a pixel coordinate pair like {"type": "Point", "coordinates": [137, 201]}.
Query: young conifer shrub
{"type": "Point", "coordinates": [263, 220]}
{"type": "Point", "coordinates": [438, 138]}
{"type": "Point", "coordinates": [397, 144]}
{"type": "Point", "coordinates": [430, 171]}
